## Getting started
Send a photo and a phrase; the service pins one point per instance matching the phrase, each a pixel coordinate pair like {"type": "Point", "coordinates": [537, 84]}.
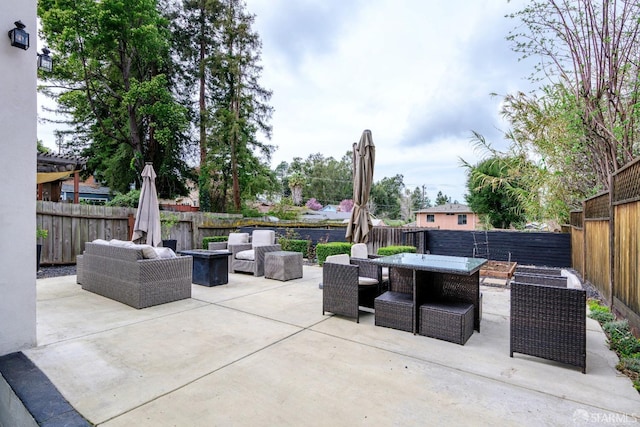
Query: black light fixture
{"type": "Point", "coordinates": [45, 62]}
{"type": "Point", "coordinates": [19, 37]}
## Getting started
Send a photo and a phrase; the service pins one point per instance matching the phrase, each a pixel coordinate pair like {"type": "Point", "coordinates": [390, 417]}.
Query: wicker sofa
{"type": "Point", "coordinates": [124, 275]}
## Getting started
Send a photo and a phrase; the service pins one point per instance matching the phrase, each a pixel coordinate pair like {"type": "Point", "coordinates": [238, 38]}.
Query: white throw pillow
{"type": "Point", "coordinates": [165, 253]}
{"type": "Point", "coordinates": [100, 242]}
{"type": "Point", "coordinates": [248, 255]}
{"type": "Point", "coordinates": [121, 243]}
{"type": "Point", "coordinates": [238, 238]}
{"type": "Point", "coordinates": [263, 238]}
{"type": "Point", "coordinates": [338, 259]}
{"type": "Point", "coordinates": [148, 251]}
{"type": "Point", "coordinates": [359, 250]}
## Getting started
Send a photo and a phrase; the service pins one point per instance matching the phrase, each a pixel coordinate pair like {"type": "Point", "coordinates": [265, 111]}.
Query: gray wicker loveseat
{"type": "Point", "coordinates": [125, 275]}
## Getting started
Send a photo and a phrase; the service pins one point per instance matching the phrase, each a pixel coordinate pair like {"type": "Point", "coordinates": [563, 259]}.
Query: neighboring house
{"type": "Point", "coordinates": [331, 208]}
{"type": "Point", "coordinates": [450, 216]}
{"type": "Point", "coordinates": [52, 169]}
{"type": "Point", "coordinates": [88, 191]}
{"type": "Point", "coordinates": [323, 215]}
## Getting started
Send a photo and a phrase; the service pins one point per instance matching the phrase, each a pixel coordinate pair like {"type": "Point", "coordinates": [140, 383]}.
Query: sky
{"type": "Point", "coordinates": [418, 73]}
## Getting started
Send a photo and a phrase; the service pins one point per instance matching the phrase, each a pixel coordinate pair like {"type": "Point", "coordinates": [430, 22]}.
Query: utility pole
{"type": "Point", "coordinates": [422, 202]}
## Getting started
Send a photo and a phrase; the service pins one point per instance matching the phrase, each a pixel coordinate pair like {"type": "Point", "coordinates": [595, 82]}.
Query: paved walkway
{"type": "Point", "coordinates": [259, 352]}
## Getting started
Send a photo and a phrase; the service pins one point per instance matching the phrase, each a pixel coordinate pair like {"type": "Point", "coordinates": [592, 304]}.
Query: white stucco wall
{"type": "Point", "coordinates": [18, 122]}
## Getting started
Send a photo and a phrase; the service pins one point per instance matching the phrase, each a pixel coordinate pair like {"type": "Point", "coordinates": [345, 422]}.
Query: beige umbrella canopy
{"type": "Point", "coordinates": [364, 155]}
{"type": "Point", "coordinates": [146, 228]}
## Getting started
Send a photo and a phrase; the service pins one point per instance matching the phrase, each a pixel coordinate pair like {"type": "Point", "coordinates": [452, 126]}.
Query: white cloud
{"type": "Point", "coordinates": [418, 74]}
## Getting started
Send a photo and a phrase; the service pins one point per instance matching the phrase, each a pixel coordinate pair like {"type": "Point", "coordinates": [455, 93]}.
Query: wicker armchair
{"type": "Point", "coordinates": [549, 322]}
{"type": "Point", "coordinates": [348, 284]}
{"type": "Point", "coordinates": [234, 239]}
{"type": "Point", "coordinates": [249, 257]}
{"type": "Point", "coordinates": [360, 251]}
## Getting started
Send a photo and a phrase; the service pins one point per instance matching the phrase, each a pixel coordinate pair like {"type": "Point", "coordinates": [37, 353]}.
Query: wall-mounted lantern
{"type": "Point", "coordinates": [19, 37]}
{"type": "Point", "coordinates": [45, 62]}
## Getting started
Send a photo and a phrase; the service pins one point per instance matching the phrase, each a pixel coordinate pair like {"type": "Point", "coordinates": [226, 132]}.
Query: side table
{"type": "Point", "coordinates": [210, 268]}
{"type": "Point", "coordinates": [283, 265]}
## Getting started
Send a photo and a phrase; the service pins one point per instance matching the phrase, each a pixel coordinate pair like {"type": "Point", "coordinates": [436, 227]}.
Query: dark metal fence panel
{"type": "Point", "coordinates": [527, 248]}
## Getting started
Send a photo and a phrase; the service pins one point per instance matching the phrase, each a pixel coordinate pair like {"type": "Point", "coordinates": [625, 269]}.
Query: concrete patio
{"type": "Point", "coordinates": [259, 352]}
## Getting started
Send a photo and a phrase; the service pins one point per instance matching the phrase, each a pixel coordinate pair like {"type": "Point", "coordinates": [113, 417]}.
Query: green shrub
{"type": "Point", "coordinates": [621, 340]}
{"type": "Point", "coordinates": [601, 313]}
{"type": "Point", "coordinates": [392, 250]}
{"type": "Point", "coordinates": [630, 363]}
{"type": "Point", "coordinates": [323, 250]}
{"type": "Point", "coordinates": [602, 316]}
{"type": "Point", "coordinates": [249, 212]}
{"type": "Point", "coordinates": [295, 245]}
{"type": "Point", "coordinates": [206, 240]}
{"type": "Point", "coordinates": [128, 200]}
{"type": "Point", "coordinates": [595, 305]}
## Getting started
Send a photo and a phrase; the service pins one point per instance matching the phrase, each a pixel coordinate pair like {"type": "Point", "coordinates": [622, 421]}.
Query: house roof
{"type": "Point", "coordinates": [53, 167]}
{"type": "Point", "coordinates": [86, 189]}
{"type": "Point", "coordinates": [447, 208]}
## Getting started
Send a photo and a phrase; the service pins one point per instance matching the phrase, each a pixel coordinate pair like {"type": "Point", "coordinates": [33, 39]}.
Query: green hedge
{"type": "Point", "coordinates": [392, 250]}
{"type": "Point", "coordinates": [206, 240]}
{"type": "Point", "coordinates": [295, 245]}
{"type": "Point", "coordinates": [323, 250]}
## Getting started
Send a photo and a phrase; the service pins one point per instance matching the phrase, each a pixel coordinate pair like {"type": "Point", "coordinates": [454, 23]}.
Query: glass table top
{"type": "Point", "coordinates": [429, 262]}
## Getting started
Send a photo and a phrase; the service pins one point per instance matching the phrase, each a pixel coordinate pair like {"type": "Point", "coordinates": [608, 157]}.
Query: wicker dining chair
{"type": "Point", "coordinates": [549, 322]}
{"type": "Point", "coordinates": [348, 284]}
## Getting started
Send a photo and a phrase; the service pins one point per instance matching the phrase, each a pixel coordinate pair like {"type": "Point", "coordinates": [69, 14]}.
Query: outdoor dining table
{"type": "Point", "coordinates": [438, 278]}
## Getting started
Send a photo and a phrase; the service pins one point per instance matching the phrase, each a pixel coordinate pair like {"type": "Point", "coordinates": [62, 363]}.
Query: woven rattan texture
{"type": "Point", "coordinates": [597, 207]}
{"type": "Point", "coordinates": [341, 293]}
{"type": "Point", "coordinates": [79, 270]}
{"type": "Point", "coordinates": [395, 310]}
{"type": "Point", "coordinates": [282, 265]}
{"type": "Point", "coordinates": [549, 322]}
{"type": "Point", "coordinates": [453, 288]}
{"type": "Point", "coordinates": [547, 271]}
{"type": "Point", "coordinates": [401, 280]}
{"type": "Point", "coordinates": [626, 183]}
{"type": "Point", "coordinates": [450, 322]}
{"type": "Point", "coordinates": [541, 279]}
{"type": "Point", "coordinates": [255, 267]}
{"type": "Point", "coordinates": [122, 275]}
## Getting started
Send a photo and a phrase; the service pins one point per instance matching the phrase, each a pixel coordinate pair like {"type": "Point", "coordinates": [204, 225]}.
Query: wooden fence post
{"type": "Point", "coordinates": [131, 223]}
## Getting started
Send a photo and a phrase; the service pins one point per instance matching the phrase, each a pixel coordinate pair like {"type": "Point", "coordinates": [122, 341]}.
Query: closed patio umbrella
{"type": "Point", "coordinates": [146, 228]}
{"type": "Point", "coordinates": [364, 154]}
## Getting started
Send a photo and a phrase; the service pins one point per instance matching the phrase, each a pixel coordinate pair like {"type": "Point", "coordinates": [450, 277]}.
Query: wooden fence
{"type": "Point", "coordinates": [70, 226]}
{"type": "Point", "coordinates": [606, 246]}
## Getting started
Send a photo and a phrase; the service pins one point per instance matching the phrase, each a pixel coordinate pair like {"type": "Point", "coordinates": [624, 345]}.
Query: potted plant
{"type": "Point", "coordinates": [167, 222]}
{"type": "Point", "coordinates": [41, 233]}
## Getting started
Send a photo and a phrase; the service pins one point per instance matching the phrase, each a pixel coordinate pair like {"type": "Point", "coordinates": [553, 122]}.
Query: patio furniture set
{"type": "Point", "coordinates": [142, 276]}
{"type": "Point", "coordinates": [439, 297]}
{"type": "Point", "coordinates": [432, 295]}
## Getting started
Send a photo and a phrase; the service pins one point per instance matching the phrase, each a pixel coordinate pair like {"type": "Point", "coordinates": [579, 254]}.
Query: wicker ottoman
{"type": "Point", "coordinates": [447, 321]}
{"type": "Point", "coordinates": [394, 310]}
{"type": "Point", "coordinates": [283, 265]}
